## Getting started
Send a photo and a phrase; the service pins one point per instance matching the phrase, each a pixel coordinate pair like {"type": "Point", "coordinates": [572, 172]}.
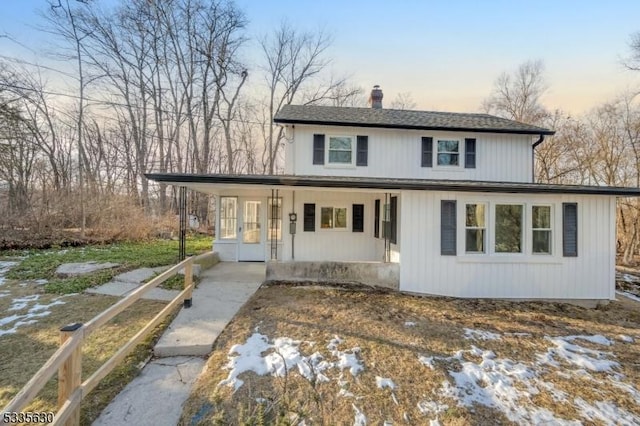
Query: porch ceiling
{"type": "Point", "coordinates": [215, 182]}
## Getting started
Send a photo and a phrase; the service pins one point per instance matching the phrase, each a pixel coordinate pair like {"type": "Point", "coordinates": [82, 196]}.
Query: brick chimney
{"type": "Point", "coordinates": [375, 100]}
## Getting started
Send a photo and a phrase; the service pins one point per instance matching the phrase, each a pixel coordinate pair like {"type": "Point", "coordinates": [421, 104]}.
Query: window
{"type": "Point", "coordinates": [508, 228]}
{"type": "Point", "coordinates": [274, 219]}
{"type": "Point", "coordinates": [340, 150]}
{"type": "Point", "coordinates": [228, 217]}
{"type": "Point", "coordinates": [333, 218]}
{"type": "Point", "coordinates": [448, 153]}
{"type": "Point", "coordinates": [475, 228]}
{"type": "Point", "coordinates": [357, 218]}
{"type": "Point", "coordinates": [309, 217]}
{"type": "Point", "coordinates": [541, 229]}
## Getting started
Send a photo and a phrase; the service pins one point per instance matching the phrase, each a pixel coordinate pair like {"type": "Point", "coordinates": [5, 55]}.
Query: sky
{"type": "Point", "coordinates": [446, 54]}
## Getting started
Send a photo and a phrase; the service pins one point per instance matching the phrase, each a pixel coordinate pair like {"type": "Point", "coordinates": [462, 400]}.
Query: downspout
{"type": "Point", "coordinates": [533, 157]}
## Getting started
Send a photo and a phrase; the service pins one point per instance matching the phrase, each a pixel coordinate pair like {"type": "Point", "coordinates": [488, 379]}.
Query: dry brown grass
{"type": "Point", "coordinates": [375, 322]}
{"type": "Point", "coordinates": [23, 353]}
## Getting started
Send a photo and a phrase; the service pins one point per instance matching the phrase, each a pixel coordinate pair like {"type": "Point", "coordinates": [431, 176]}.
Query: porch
{"type": "Point", "coordinates": [378, 274]}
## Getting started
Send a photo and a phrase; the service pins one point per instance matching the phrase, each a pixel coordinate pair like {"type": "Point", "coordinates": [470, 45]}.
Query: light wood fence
{"type": "Point", "coordinates": [67, 360]}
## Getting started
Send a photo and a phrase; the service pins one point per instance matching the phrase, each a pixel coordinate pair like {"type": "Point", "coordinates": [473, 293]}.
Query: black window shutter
{"type": "Point", "coordinates": [318, 149]}
{"type": "Point", "coordinates": [448, 227]}
{"type": "Point", "coordinates": [570, 229]}
{"type": "Point", "coordinates": [427, 151]}
{"type": "Point", "coordinates": [376, 219]}
{"type": "Point", "coordinates": [309, 217]}
{"type": "Point", "coordinates": [470, 153]}
{"type": "Point", "coordinates": [357, 213]}
{"type": "Point", "coordinates": [394, 220]}
{"type": "Point", "coordinates": [362, 151]}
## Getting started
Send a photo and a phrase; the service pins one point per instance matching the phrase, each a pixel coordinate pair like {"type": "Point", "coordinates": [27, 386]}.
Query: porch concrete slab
{"type": "Point", "coordinates": [156, 396]}
{"type": "Point", "coordinates": [113, 288]}
{"type": "Point", "coordinates": [223, 289]}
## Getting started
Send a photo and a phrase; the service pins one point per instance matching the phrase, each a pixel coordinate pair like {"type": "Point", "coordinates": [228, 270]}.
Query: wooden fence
{"type": "Point", "coordinates": [67, 360]}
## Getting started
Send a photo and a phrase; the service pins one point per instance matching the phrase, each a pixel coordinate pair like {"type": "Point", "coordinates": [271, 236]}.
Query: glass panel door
{"type": "Point", "coordinates": [251, 226]}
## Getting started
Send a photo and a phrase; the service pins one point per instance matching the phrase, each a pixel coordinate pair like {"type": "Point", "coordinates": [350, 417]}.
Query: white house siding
{"type": "Point", "coordinates": [332, 244]}
{"type": "Point", "coordinates": [588, 276]}
{"type": "Point", "coordinates": [322, 244]}
{"type": "Point", "coordinates": [396, 153]}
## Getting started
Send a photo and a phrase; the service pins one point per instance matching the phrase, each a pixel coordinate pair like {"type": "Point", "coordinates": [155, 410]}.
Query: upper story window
{"type": "Point", "coordinates": [340, 150]}
{"type": "Point", "coordinates": [345, 151]}
{"type": "Point", "coordinates": [448, 152]}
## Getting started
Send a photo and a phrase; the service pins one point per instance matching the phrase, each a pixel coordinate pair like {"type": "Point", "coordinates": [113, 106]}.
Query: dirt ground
{"type": "Point", "coordinates": [389, 333]}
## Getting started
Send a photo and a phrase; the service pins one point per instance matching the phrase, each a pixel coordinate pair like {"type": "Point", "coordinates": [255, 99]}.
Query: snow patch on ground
{"type": "Point", "coordinates": [623, 337]}
{"type": "Point", "coordinates": [508, 385]}
{"type": "Point", "coordinates": [409, 324]}
{"type": "Point", "coordinates": [382, 383]}
{"type": "Point", "coordinates": [605, 412]}
{"type": "Point", "coordinates": [4, 268]}
{"type": "Point", "coordinates": [283, 356]}
{"type": "Point", "coordinates": [360, 419]}
{"type": "Point", "coordinates": [36, 310]}
{"type": "Point", "coordinates": [472, 334]}
{"type": "Point", "coordinates": [628, 295]}
{"type": "Point", "coordinates": [427, 361]}
{"type": "Point", "coordinates": [577, 355]}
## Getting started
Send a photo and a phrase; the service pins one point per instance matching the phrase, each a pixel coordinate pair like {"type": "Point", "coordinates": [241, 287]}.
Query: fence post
{"type": "Point", "coordinates": [188, 282]}
{"type": "Point", "coordinates": [70, 373]}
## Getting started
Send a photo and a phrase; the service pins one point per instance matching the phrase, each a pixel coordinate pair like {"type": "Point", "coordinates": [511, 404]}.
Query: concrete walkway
{"type": "Point", "coordinates": [156, 396]}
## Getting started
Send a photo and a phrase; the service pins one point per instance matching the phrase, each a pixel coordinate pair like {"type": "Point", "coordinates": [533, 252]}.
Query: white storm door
{"type": "Point", "coordinates": [251, 237]}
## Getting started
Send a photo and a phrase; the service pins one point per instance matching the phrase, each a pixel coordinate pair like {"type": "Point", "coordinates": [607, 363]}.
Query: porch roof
{"type": "Point", "coordinates": [199, 181]}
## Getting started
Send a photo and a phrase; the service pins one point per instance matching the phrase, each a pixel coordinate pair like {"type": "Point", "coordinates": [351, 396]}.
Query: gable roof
{"type": "Point", "coordinates": [403, 119]}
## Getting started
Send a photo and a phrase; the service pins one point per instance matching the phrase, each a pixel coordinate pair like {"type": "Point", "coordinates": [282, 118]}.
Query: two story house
{"type": "Point", "coordinates": [425, 202]}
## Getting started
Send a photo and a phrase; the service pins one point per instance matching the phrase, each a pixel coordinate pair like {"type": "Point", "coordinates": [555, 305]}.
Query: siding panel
{"type": "Point", "coordinates": [398, 154]}
{"type": "Point", "coordinates": [588, 276]}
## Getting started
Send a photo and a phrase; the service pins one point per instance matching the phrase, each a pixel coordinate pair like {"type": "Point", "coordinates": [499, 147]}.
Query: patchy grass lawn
{"type": "Point", "coordinates": [28, 347]}
{"type": "Point", "coordinates": [41, 264]}
{"type": "Point", "coordinates": [31, 314]}
{"type": "Point", "coordinates": [335, 356]}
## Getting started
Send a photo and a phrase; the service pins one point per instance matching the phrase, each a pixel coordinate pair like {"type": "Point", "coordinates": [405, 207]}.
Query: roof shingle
{"type": "Point", "coordinates": [403, 119]}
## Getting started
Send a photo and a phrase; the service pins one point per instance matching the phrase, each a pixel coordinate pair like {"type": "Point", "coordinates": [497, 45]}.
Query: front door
{"type": "Point", "coordinates": [251, 247]}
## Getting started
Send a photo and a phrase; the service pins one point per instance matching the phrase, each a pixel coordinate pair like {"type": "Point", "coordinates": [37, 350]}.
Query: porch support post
{"type": "Point", "coordinates": [274, 223]}
{"type": "Point", "coordinates": [182, 209]}
{"type": "Point", "coordinates": [387, 228]}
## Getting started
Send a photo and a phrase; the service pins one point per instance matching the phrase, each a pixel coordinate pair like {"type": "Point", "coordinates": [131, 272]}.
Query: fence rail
{"type": "Point", "coordinates": [67, 359]}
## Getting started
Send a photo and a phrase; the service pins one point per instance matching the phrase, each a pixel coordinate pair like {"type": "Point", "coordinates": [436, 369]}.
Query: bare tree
{"type": "Point", "coordinates": [403, 100]}
{"type": "Point", "coordinates": [633, 61]}
{"type": "Point", "coordinates": [294, 62]}
{"type": "Point", "coordinates": [518, 96]}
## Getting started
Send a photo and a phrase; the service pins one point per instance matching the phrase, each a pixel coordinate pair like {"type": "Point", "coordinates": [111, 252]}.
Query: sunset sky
{"type": "Point", "coordinates": [446, 54]}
